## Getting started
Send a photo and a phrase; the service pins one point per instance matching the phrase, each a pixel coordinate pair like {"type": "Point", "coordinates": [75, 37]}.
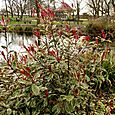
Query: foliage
{"type": "Point", "coordinates": [28, 31]}
{"type": "Point", "coordinates": [61, 73]}
{"type": "Point", "coordinates": [95, 26]}
{"type": "Point", "coordinates": [19, 30]}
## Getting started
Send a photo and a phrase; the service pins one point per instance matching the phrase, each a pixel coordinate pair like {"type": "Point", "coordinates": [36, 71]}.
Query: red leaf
{"type": "Point", "coordinates": [28, 69]}
{"type": "Point", "coordinates": [39, 6]}
{"type": "Point", "coordinates": [65, 5]}
{"type": "Point", "coordinates": [37, 33]}
{"type": "Point", "coordinates": [22, 71]}
{"type": "Point", "coordinates": [44, 13]}
{"type": "Point", "coordinates": [96, 41]}
{"type": "Point", "coordinates": [87, 38]}
{"type": "Point", "coordinates": [67, 28]}
{"type": "Point", "coordinates": [33, 11]}
{"type": "Point", "coordinates": [60, 33]}
{"type": "Point", "coordinates": [3, 55]}
{"type": "Point", "coordinates": [52, 52]}
{"type": "Point", "coordinates": [76, 37]}
{"type": "Point", "coordinates": [103, 34]}
{"type": "Point", "coordinates": [58, 59]}
{"type": "Point", "coordinates": [74, 31]}
{"type": "Point", "coordinates": [50, 12]}
{"type": "Point", "coordinates": [2, 21]}
{"type": "Point", "coordinates": [46, 93]}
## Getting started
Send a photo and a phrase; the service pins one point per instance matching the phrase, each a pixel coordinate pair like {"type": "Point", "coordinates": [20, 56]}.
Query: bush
{"type": "Point", "coordinates": [59, 76]}
{"type": "Point", "coordinates": [94, 28]}
{"type": "Point", "coordinates": [19, 30]}
{"type": "Point", "coordinates": [62, 73]}
{"type": "Point", "coordinates": [28, 31]}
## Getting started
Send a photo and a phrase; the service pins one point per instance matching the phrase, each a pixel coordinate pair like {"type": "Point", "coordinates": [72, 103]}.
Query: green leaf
{"type": "Point", "coordinates": [24, 82]}
{"type": "Point", "coordinates": [87, 78]}
{"type": "Point", "coordinates": [68, 107]}
{"type": "Point", "coordinates": [56, 109]}
{"type": "Point", "coordinates": [45, 102]}
{"type": "Point", "coordinates": [9, 43]}
{"type": "Point", "coordinates": [9, 111]}
{"type": "Point", "coordinates": [67, 98]}
{"type": "Point", "coordinates": [51, 1]}
{"type": "Point", "coordinates": [4, 47]}
{"type": "Point", "coordinates": [27, 112]}
{"type": "Point", "coordinates": [35, 89]}
{"type": "Point", "coordinates": [14, 65]}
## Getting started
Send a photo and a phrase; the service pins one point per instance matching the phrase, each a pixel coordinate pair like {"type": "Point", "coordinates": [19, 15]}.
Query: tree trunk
{"type": "Point", "coordinates": [21, 16]}
{"type": "Point", "coordinates": [6, 8]}
{"type": "Point", "coordinates": [113, 3]}
{"type": "Point", "coordinates": [37, 11]}
{"type": "Point", "coordinates": [12, 13]}
{"type": "Point", "coordinates": [78, 10]}
{"type": "Point", "coordinates": [102, 12]}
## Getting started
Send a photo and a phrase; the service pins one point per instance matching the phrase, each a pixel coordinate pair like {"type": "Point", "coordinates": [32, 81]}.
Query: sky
{"type": "Point", "coordinates": [83, 6]}
{"type": "Point", "coordinates": [1, 4]}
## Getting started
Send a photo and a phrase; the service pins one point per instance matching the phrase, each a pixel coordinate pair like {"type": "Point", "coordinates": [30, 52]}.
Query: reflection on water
{"type": "Point", "coordinates": [16, 41]}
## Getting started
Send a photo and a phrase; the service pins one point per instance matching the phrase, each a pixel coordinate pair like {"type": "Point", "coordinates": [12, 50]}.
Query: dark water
{"type": "Point", "coordinates": [17, 42]}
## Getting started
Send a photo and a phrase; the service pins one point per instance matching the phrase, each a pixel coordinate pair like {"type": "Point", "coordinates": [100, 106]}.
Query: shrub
{"type": "Point", "coordinates": [94, 28]}
{"type": "Point", "coordinates": [28, 31]}
{"type": "Point", "coordinates": [61, 74]}
{"type": "Point", "coordinates": [58, 76]}
{"type": "Point", "coordinates": [19, 30]}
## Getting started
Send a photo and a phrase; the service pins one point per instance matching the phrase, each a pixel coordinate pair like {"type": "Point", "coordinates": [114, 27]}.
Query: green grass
{"type": "Point", "coordinates": [25, 18]}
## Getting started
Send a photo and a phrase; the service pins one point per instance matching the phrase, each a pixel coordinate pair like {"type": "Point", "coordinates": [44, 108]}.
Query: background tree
{"type": "Point", "coordinates": [113, 3]}
{"type": "Point", "coordinates": [77, 6]}
{"type": "Point", "coordinates": [6, 7]}
{"type": "Point", "coordinates": [95, 7]}
{"type": "Point", "coordinates": [23, 7]}
{"type": "Point", "coordinates": [17, 9]}
{"type": "Point", "coordinates": [11, 7]}
{"type": "Point", "coordinates": [100, 7]}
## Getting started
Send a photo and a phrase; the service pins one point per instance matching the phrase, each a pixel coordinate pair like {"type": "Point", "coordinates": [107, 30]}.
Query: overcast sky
{"type": "Point", "coordinates": [82, 5]}
{"type": "Point", "coordinates": [1, 4]}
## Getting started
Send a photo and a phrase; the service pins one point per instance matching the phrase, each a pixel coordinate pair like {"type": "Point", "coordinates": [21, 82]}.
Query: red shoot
{"type": "Point", "coordinates": [67, 28]}
{"type": "Point", "coordinates": [2, 21]}
{"type": "Point", "coordinates": [87, 38]}
{"type": "Point", "coordinates": [22, 71]}
{"type": "Point", "coordinates": [3, 55]}
{"type": "Point", "coordinates": [50, 12]}
{"type": "Point", "coordinates": [46, 93]}
{"type": "Point", "coordinates": [44, 13]}
{"type": "Point", "coordinates": [52, 52]}
{"type": "Point", "coordinates": [39, 6]}
{"type": "Point", "coordinates": [37, 33]}
{"type": "Point", "coordinates": [96, 41]}
{"type": "Point", "coordinates": [103, 34]}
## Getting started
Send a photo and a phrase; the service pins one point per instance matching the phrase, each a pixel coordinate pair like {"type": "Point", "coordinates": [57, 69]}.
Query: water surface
{"type": "Point", "coordinates": [16, 42]}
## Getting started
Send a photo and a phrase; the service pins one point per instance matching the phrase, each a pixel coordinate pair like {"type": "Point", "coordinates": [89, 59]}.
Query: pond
{"type": "Point", "coordinates": [16, 41]}
{"type": "Point", "coordinates": [19, 40]}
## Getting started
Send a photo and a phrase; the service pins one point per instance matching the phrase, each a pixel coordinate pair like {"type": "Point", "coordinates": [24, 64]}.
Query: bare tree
{"type": "Point", "coordinates": [113, 3]}
{"type": "Point", "coordinates": [100, 7]}
{"type": "Point", "coordinates": [11, 7]}
{"type": "Point", "coordinates": [107, 7]}
{"type": "Point", "coordinates": [76, 4]}
{"type": "Point", "coordinates": [94, 6]}
{"type": "Point", "coordinates": [6, 7]}
{"type": "Point", "coordinates": [23, 6]}
{"type": "Point", "coordinates": [17, 9]}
